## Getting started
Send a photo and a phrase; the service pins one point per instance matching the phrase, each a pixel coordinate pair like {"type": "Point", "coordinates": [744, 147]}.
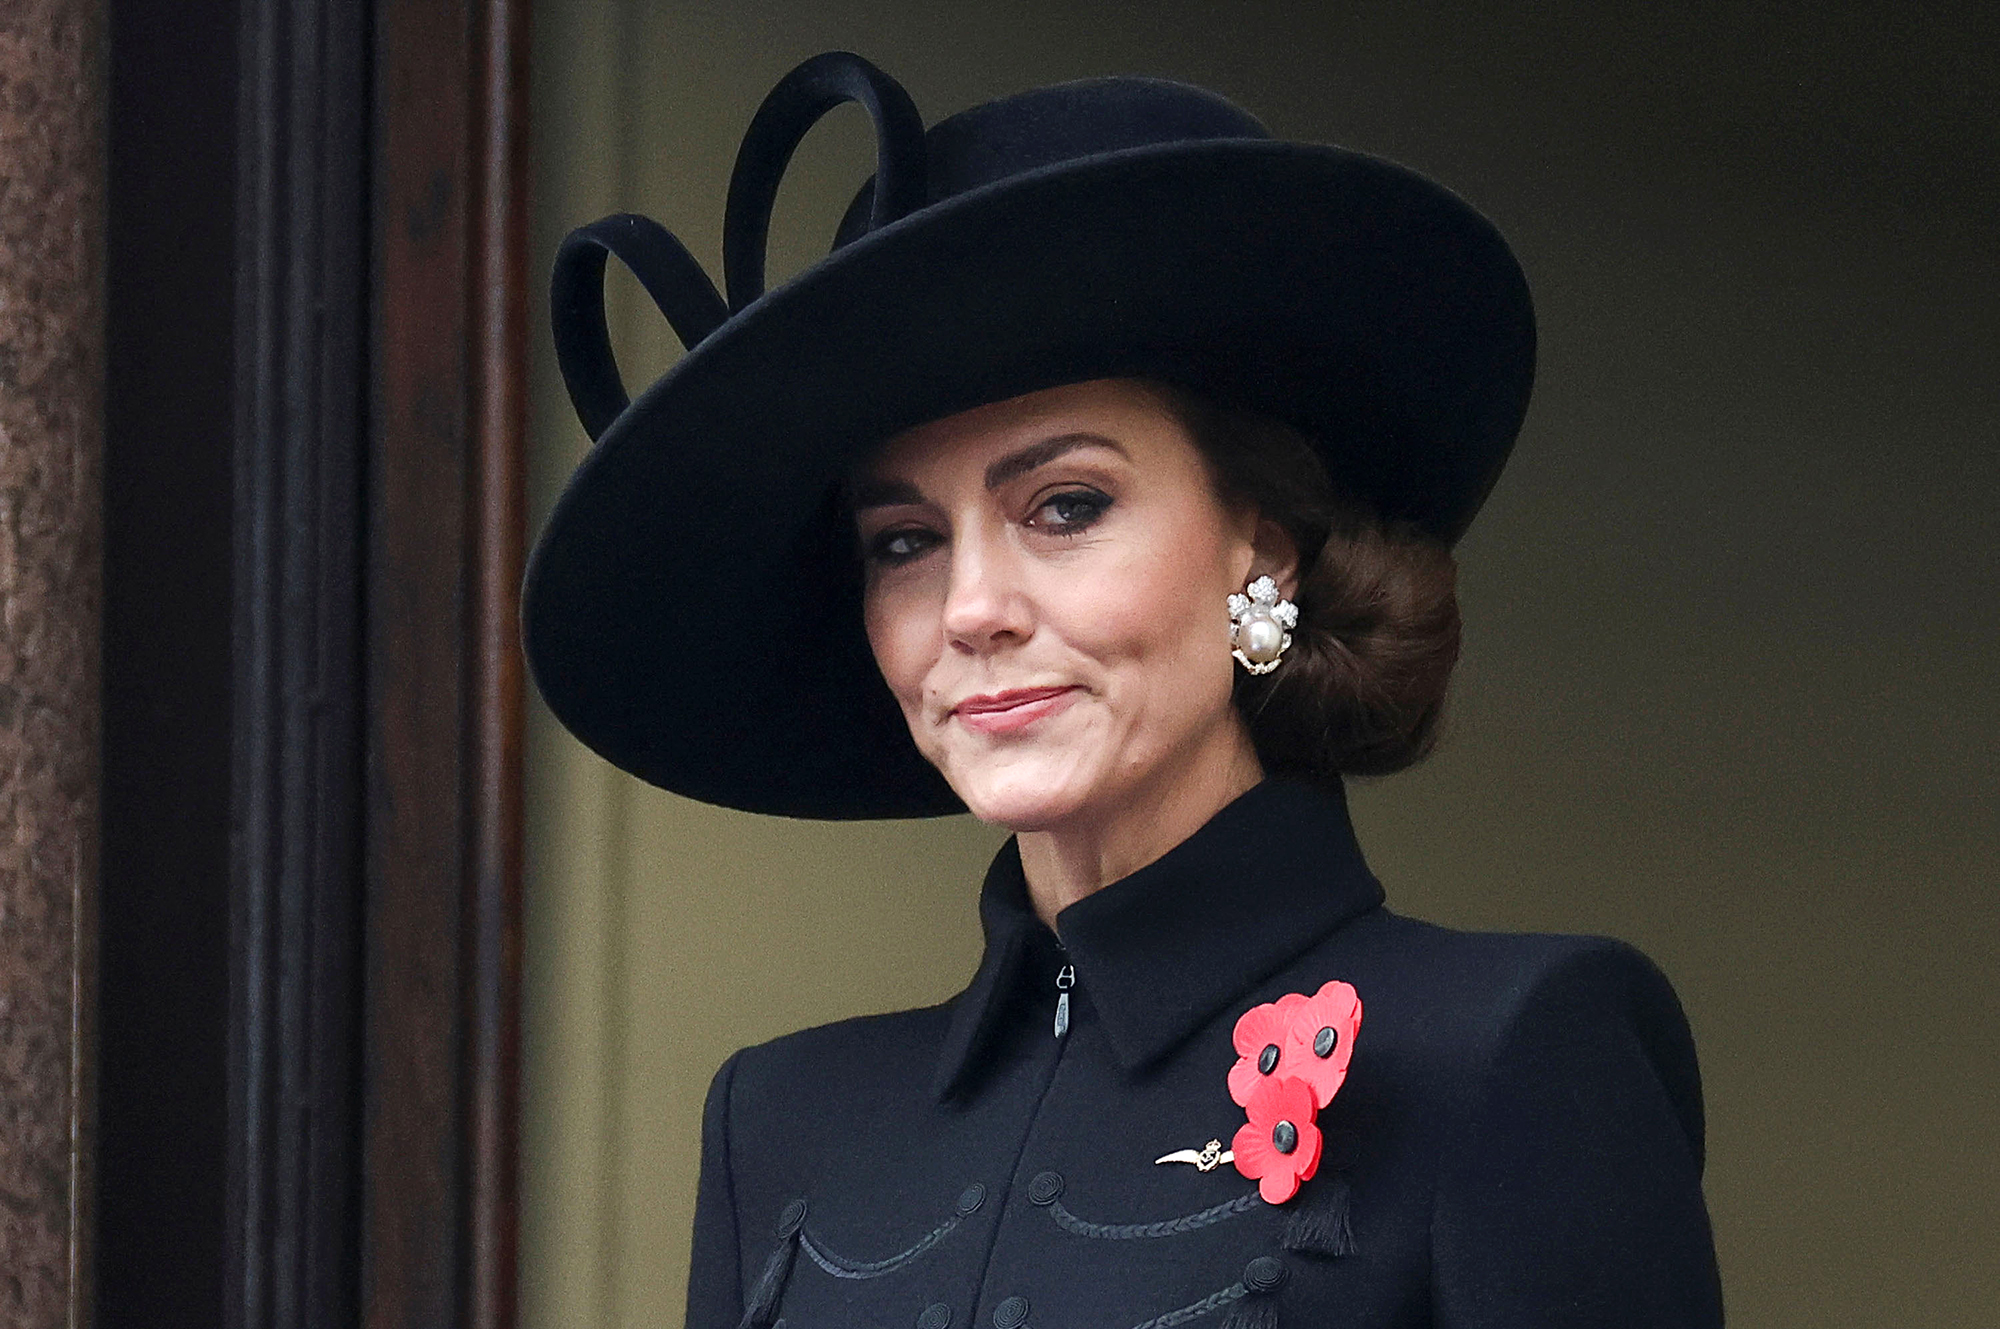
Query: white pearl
{"type": "Point", "coordinates": [1260, 638]}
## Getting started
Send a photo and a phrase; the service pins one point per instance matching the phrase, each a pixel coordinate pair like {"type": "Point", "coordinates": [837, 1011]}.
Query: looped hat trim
{"type": "Point", "coordinates": [782, 122]}
{"type": "Point", "coordinates": [666, 271]}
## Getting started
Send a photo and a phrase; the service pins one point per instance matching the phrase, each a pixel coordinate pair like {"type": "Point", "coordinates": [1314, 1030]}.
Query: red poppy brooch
{"type": "Point", "coordinates": [1291, 1059]}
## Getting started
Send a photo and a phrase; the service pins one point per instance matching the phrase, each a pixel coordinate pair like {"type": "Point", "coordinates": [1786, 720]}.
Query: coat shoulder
{"type": "Point", "coordinates": [1469, 1005]}
{"type": "Point", "coordinates": [848, 1059]}
{"type": "Point", "coordinates": [1563, 1107]}
{"type": "Point", "coordinates": [1487, 979]}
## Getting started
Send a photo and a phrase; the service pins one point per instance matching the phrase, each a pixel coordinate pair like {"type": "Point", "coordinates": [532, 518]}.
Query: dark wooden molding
{"type": "Point", "coordinates": [419, 538]}
{"type": "Point", "coordinates": [301, 366]}
{"type": "Point", "coordinates": [443, 916]}
{"type": "Point", "coordinates": [499, 376]}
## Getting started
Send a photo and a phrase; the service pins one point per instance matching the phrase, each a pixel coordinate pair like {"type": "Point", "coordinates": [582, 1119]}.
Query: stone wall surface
{"type": "Point", "coordinates": [51, 369]}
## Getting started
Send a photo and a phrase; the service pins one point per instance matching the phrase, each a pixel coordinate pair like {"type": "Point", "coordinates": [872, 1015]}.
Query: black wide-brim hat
{"type": "Point", "coordinates": [692, 610]}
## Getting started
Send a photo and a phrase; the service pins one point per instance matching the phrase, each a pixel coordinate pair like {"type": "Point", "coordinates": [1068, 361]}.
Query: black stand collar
{"type": "Point", "coordinates": [1164, 949]}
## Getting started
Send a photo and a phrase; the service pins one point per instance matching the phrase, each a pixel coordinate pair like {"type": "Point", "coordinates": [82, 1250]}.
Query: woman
{"type": "Point", "coordinates": [1102, 482]}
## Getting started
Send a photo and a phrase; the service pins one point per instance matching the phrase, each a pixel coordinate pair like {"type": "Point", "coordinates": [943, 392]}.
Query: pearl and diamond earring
{"type": "Point", "coordinates": [1258, 624]}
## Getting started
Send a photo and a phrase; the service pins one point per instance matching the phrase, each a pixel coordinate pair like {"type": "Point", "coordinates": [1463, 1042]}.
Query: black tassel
{"type": "Point", "coordinates": [1319, 1222]}
{"type": "Point", "coordinates": [1256, 1311]}
{"type": "Point", "coordinates": [769, 1290]}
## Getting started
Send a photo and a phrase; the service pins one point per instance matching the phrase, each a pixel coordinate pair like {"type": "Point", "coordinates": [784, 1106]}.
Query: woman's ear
{"type": "Point", "coordinates": [1275, 555]}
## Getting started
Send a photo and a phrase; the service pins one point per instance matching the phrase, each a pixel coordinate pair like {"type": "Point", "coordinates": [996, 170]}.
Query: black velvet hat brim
{"type": "Point", "coordinates": [692, 610]}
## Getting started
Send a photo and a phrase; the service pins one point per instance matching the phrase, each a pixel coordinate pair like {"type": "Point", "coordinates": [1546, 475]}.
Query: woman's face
{"type": "Point", "coordinates": [1046, 586]}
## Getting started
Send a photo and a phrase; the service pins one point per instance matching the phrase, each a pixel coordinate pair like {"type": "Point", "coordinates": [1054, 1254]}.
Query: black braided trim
{"type": "Point", "coordinates": [842, 1267]}
{"type": "Point", "coordinates": [1214, 1301]}
{"type": "Point", "coordinates": [1168, 1227]}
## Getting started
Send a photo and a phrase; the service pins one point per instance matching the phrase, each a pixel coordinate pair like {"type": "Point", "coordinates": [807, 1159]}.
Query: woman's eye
{"type": "Point", "coordinates": [1070, 511]}
{"type": "Point", "coordinates": [900, 545]}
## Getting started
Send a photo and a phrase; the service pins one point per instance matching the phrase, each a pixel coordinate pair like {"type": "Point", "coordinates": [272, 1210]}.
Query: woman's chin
{"type": "Point", "coordinates": [1021, 796]}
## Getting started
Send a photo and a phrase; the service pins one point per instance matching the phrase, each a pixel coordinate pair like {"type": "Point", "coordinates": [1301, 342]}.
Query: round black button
{"type": "Point", "coordinates": [970, 1199]}
{"type": "Point", "coordinates": [1264, 1273]}
{"type": "Point", "coordinates": [937, 1315]}
{"type": "Point", "coordinates": [1267, 1060]}
{"type": "Point", "coordinates": [1011, 1313]}
{"type": "Point", "coordinates": [1045, 1187]}
{"type": "Point", "coordinates": [1284, 1137]}
{"type": "Point", "coordinates": [1324, 1042]}
{"type": "Point", "coordinates": [791, 1219]}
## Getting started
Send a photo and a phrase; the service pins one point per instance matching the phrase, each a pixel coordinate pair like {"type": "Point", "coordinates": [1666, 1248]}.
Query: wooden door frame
{"type": "Point", "coordinates": [357, 835]}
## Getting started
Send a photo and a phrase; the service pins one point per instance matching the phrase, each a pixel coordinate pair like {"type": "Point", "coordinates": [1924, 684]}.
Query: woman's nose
{"type": "Point", "coordinates": [985, 604]}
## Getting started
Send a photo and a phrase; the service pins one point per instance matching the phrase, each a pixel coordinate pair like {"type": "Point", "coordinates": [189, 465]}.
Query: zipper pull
{"type": "Point", "coordinates": [1065, 980]}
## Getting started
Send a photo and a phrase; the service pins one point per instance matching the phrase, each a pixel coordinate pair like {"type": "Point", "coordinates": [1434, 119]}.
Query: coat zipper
{"type": "Point", "coordinates": [1065, 982]}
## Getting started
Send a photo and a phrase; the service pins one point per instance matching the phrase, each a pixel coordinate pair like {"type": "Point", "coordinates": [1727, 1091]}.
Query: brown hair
{"type": "Point", "coordinates": [1362, 688]}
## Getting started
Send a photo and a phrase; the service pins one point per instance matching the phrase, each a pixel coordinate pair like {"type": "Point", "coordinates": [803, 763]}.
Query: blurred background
{"type": "Point", "coordinates": [1733, 613]}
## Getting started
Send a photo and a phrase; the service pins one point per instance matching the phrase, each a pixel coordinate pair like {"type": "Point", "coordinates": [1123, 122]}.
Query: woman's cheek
{"type": "Point", "coordinates": [896, 640]}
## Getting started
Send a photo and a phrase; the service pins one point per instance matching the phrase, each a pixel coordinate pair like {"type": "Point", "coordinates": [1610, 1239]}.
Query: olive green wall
{"type": "Point", "coordinates": [1733, 614]}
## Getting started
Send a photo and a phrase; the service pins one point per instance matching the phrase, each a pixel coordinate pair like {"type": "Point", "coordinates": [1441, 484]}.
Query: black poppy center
{"type": "Point", "coordinates": [1325, 1042]}
{"type": "Point", "coordinates": [1284, 1137]}
{"type": "Point", "coordinates": [1267, 1060]}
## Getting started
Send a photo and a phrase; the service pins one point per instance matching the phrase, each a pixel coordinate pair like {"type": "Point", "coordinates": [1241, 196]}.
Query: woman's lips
{"type": "Point", "coordinates": [1009, 712]}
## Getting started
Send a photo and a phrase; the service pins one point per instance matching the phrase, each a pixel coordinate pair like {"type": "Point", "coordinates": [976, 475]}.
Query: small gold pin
{"type": "Point", "coordinates": [1207, 1159]}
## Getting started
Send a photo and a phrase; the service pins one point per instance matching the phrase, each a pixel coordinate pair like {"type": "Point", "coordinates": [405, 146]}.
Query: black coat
{"type": "Point", "coordinates": [1518, 1142]}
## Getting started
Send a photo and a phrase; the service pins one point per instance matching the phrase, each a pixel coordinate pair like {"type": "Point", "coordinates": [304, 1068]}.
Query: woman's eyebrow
{"type": "Point", "coordinates": [874, 493]}
{"type": "Point", "coordinates": [883, 494]}
{"type": "Point", "coordinates": [1017, 464]}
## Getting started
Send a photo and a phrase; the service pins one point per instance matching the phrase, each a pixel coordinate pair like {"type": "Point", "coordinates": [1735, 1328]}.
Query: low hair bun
{"type": "Point", "coordinates": [1362, 688]}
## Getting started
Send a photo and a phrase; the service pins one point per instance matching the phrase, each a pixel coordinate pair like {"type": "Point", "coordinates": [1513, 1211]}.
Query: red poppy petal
{"type": "Point", "coordinates": [1254, 1029]}
{"type": "Point", "coordinates": [1261, 1026]}
{"type": "Point", "coordinates": [1326, 1083]}
{"type": "Point", "coordinates": [1337, 999]}
{"type": "Point", "coordinates": [1292, 1098]}
{"type": "Point", "coordinates": [1340, 1015]}
{"type": "Point", "coordinates": [1244, 1077]}
{"type": "Point", "coordinates": [1324, 1076]}
{"type": "Point", "coordinates": [1312, 1143]}
{"type": "Point", "coordinates": [1277, 1187]}
{"type": "Point", "coordinates": [1252, 1149]}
